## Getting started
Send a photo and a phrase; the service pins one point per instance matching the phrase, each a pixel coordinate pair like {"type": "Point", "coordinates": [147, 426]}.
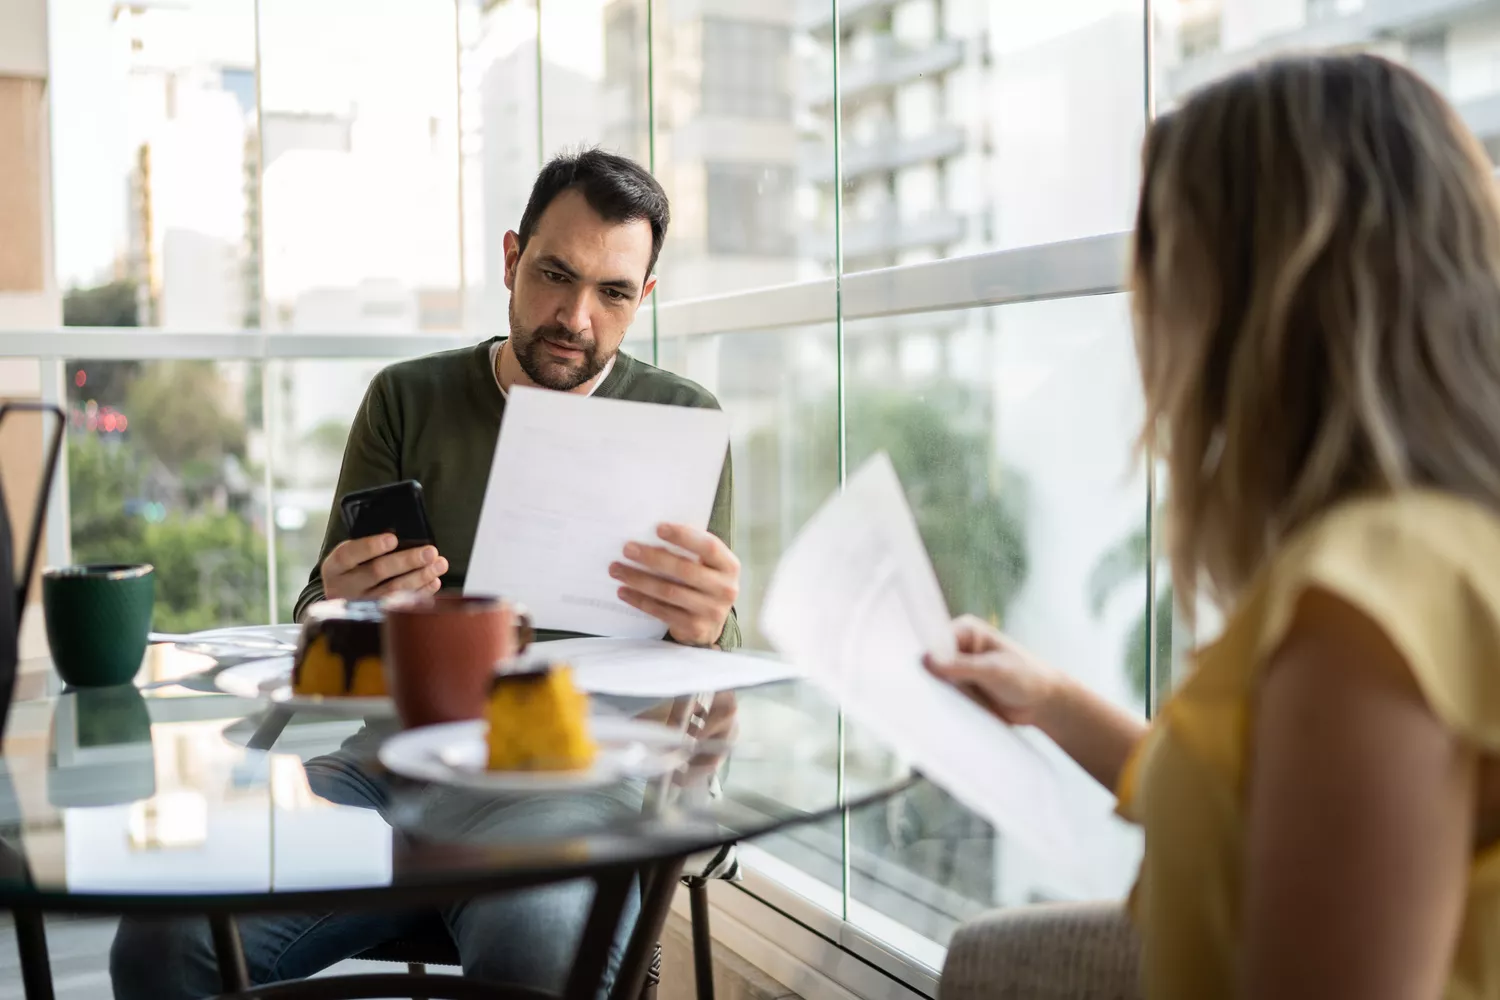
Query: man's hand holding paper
{"type": "Point", "coordinates": [691, 594]}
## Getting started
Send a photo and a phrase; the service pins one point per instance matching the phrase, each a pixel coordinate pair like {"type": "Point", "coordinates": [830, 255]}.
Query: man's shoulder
{"type": "Point", "coordinates": [430, 372]}
{"type": "Point", "coordinates": [644, 382]}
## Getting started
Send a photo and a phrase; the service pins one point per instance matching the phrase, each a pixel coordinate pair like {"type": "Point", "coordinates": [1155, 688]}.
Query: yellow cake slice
{"type": "Point", "coordinates": [339, 651]}
{"type": "Point", "coordinates": [538, 722]}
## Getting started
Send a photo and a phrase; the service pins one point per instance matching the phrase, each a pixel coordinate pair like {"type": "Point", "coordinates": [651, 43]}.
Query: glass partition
{"type": "Point", "coordinates": [311, 405]}
{"type": "Point", "coordinates": [341, 174]}
{"type": "Point", "coordinates": [165, 462]}
{"type": "Point", "coordinates": [359, 152]}
{"type": "Point", "coordinates": [971, 127]}
{"type": "Point", "coordinates": [1011, 428]}
{"type": "Point", "coordinates": [737, 150]}
{"type": "Point", "coordinates": [778, 390]}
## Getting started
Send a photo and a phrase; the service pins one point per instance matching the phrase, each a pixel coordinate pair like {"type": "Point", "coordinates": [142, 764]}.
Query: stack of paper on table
{"type": "Point", "coordinates": [855, 603]}
{"type": "Point", "coordinates": [650, 668]}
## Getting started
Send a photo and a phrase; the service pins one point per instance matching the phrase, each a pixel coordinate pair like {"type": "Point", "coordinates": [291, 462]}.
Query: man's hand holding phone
{"type": "Point", "coordinates": [371, 567]}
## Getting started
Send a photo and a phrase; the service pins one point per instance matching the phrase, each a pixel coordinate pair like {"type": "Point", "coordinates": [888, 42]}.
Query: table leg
{"type": "Point", "coordinates": [231, 955]}
{"type": "Point", "coordinates": [659, 886]}
{"type": "Point", "coordinates": [31, 942]}
{"type": "Point", "coordinates": [599, 935]}
{"type": "Point", "coordinates": [270, 728]}
{"type": "Point", "coordinates": [703, 942]}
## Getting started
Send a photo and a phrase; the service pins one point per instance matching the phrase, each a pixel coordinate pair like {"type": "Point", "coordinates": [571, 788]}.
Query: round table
{"type": "Point", "coordinates": [180, 801]}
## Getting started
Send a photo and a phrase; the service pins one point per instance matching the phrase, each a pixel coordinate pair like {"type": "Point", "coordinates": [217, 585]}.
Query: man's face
{"type": "Point", "coordinates": [575, 291]}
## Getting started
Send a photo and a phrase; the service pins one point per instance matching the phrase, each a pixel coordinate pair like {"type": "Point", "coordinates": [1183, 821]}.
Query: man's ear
{"type": "Point", "coordinates": [512, 246]}
{"type": "Point", "coordinates": [648, 288]}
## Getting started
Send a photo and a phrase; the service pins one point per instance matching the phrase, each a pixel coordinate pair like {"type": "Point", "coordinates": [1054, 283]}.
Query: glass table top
{"type": "Point", "coordinates": [161, 798]}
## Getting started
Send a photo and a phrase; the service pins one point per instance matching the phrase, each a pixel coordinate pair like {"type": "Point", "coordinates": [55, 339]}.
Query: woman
{"type": "Point", "coordinates": [1317, 296]}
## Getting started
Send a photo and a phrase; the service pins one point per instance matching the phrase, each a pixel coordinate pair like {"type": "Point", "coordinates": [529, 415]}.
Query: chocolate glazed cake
{"type": "Point", "coordinates": [338, 653]}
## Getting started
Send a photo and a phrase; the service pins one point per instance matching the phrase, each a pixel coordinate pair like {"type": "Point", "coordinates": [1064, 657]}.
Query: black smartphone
{"type": "Point", "coordinates": [395, 508]}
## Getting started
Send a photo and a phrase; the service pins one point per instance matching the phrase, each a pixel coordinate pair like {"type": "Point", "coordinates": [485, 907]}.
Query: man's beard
{"type": "Point", "coordinates": [528, 348]}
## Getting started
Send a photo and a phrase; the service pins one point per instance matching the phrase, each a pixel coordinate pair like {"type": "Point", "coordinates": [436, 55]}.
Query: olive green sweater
{"type": "Point", "coordinates": [436, 420]}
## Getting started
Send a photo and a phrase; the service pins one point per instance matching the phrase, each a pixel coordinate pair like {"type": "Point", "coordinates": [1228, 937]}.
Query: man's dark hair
{"type": "Point", "coordinates": [616, 187]}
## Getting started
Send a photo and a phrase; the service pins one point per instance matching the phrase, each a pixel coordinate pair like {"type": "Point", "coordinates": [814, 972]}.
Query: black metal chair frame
{"type": "Point", "coordinates": [436, 948]}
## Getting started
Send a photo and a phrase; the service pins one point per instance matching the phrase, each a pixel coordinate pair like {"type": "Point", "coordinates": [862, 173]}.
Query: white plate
{"type": "Point", "coordinates": [242, 637]}
{"type": "Point", "coordinates": [271, 680]}
{"type": "Point", "coordinates": [283, 634]}
{"type": "Point", "coordinates": [455, 753]}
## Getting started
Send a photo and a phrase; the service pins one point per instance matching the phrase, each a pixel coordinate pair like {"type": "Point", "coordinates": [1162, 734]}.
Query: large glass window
{"type": "Point", "coordinates": [779, 390]}
{"type": "Point", "coordinates": [1011, 429]}
{"type": "Point", "coordinates": [746, 164]}
{"type": "Point", "coordinates": [157, 225]}
{"type": "Point", "coordinates": [164, 463]}
{"type": "Point", "coordinates": [970, 127]}
{"type": "Point", "coordinates": [750, 210]}
{"type": "Point", "coordinates": [341, 175]}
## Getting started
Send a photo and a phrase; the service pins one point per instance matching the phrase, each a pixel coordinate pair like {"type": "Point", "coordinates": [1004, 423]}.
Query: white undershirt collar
{"type": "Point", "coordinates": [495, 370]}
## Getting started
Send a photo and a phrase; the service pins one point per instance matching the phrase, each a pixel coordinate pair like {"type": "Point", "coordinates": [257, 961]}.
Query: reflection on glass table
{"type": "Point", "coordinates": [170, 774]}
{"type": "Point", "coordinates": [156, 803]}
{"type": "Point", "coordinates": [100, 746]}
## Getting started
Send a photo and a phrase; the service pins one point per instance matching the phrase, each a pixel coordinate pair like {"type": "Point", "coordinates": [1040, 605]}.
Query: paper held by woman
{"type": "Point", "coordinates": [855, 603]}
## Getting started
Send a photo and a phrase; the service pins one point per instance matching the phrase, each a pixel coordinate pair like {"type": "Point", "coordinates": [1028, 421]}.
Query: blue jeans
{"type": "Point", "coordinates": [524, 938]}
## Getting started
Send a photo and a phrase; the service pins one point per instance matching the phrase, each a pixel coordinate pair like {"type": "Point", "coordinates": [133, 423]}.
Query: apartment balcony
{"type": "Point", "coordinates": [889, 151]}
{"type": "Point", "coordinates": [889, 66]}
{"type": "Point", "coordinates": [891, 234]}
{"type": "Point", "coordinates": [816, 16]}
{"type": "Point", "coordinates": [1376, 20]}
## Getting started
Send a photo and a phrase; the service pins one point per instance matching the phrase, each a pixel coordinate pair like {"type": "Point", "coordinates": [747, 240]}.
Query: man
{"type": "Point", "coordinates": [578, 268]}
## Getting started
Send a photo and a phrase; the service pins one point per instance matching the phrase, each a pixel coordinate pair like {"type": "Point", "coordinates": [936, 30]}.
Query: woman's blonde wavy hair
{"type": "Point", "coordinates": [1317, 300]}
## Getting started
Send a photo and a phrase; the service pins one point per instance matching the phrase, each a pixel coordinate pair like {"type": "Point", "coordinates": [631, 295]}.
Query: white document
{"type": "Point", "coordinates": [575, 478]}
{"type": "Point", "coordinates": [651, 668]}
{"type": "Point", "coordinates": [855, 604]}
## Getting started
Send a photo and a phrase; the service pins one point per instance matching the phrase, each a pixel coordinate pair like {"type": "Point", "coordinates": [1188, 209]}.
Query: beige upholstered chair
{"type": "Point", "coordinates": [1071, 951]}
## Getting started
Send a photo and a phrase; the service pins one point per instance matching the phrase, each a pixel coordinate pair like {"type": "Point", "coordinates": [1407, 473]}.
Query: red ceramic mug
{"type": "Point", "coordinates": [441, 652]}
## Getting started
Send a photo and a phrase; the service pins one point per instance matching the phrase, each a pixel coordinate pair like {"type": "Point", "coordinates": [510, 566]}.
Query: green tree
{"type": "Point", "coordinates": [176, 414]}
{"type": "Point", "coordinates": [102, 476]}
{"type": "Point", "coordinates": [971, 513]}
{"type": "Point", "coordinates": [113, 304]}
{"type": "Point", "coordinates": [210, 566]}
{"type": "Point", "coordinates": [210, 570]}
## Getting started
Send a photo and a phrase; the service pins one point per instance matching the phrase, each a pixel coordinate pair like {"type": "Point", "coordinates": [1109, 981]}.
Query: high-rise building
{"type": "Point", "coordinates": [904, 153]}
{"type": "Point", "coordinates": [1455, 44]}
{"type": "Point", "coordinates": [187, 121]}
{"type": "Point", "coordinates": [510, 145]}
{"type": "Point", "coordinates": [726, 140]}
{"type": "Point", "coordinates": [188, 214]}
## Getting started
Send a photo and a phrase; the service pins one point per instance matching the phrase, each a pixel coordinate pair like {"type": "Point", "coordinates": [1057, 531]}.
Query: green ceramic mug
{"type": "Point", "coordinates": [98, 618]}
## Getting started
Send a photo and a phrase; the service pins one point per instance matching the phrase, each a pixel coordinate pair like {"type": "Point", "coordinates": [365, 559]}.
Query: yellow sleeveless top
{"type": "Point", "coordinates": [1423, 566]}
